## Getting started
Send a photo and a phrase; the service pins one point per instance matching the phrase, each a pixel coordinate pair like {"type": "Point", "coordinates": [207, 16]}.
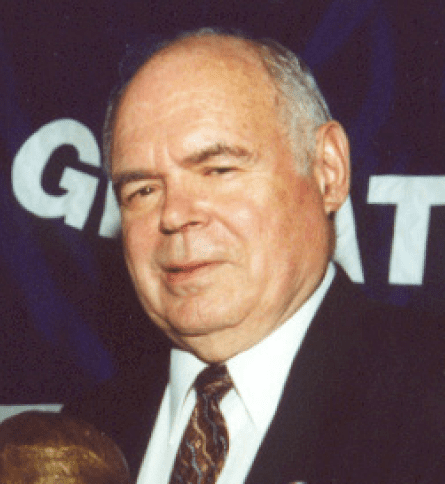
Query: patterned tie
{"type": "Point", "coordinates": [205, 442]}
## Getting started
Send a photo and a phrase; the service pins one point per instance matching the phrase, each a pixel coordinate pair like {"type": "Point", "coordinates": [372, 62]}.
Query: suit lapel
{"type": "Point", "coordinates": [312, 400]}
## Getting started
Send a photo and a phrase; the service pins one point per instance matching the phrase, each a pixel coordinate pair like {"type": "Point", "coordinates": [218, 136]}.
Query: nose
{"type": "Point", "coordinates": [184, 206]}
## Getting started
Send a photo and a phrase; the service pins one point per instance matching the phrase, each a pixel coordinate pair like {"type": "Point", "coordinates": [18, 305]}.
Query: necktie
{"type": "Point", "coordinates": [205, 442]}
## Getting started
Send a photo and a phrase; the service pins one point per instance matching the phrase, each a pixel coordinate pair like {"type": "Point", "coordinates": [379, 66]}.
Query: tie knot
{"type": "Point", "coordinates": [214, 381]}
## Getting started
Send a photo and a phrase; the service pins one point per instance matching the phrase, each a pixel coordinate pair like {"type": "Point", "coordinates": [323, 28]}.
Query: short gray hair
{"type": "Point", "coordinates": [302, 110]}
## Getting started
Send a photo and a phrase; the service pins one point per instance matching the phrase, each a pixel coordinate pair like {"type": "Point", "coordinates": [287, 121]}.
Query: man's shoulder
{"type": "Point", "coordinates": [347, 301]}
{"type": "Point", "coordinates": [126, 403]}
{"type": "Point", "coordinates": [397, 345]}
{"type": "Point", "coordinates": [383, 371]}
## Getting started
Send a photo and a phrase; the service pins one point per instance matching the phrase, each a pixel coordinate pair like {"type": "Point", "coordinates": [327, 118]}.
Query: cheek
{"type": "Point", "coordinates": [303, 219]}
{"type": "Point", "coordinates": [138, 240]}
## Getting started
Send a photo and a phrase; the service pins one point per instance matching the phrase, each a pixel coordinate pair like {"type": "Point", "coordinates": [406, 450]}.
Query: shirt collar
{"type": "Point", "coordinates": [259, 373]}
{"type": "Point", "coordinates": [184, 368]}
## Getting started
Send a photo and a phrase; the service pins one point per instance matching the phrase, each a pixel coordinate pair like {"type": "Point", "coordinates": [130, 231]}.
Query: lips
{"type": "Point", "coordinates": [177, 273]}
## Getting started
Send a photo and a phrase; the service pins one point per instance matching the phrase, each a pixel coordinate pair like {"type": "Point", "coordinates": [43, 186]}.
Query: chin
{"type": "Point", "coordinates": [197, 329]}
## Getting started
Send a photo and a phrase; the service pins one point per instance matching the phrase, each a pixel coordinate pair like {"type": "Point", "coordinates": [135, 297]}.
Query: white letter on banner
{"type": "Point", "coordinates": [347, 253]}
{"type": "Point", "coordinates": [413, 197]}
{"type": "Point", "coordinates": [30, 162]}
{"type": "Point", "coordinates": [110, 223]}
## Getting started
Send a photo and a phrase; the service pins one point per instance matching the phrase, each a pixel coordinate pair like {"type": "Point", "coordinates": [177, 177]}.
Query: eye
{"type": "Point", "coordinates": [136, 194]}
{"type": "Point", "coordinates": [221, 170]}
{"type": "Point", "coordinates": [141, 192]}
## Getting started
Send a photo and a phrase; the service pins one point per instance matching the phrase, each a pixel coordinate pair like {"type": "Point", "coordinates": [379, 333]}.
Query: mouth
{"type": "Point", "coordinates": [178, 273]}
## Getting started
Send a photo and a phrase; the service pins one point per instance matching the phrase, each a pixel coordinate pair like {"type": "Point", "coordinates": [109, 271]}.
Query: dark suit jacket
{"type": "Point", "coordinates": [364, 401]}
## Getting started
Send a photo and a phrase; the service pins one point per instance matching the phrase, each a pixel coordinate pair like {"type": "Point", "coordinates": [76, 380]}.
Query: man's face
{"type": "Point", "coordinates": [223, 238]}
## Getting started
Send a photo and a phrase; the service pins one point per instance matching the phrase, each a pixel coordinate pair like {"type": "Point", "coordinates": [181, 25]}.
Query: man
{"type": "Point", "coordinates": [228, 170]}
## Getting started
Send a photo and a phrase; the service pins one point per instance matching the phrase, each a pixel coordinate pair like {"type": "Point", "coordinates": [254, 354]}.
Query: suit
{"type": "Point", "coordinates": [364, 401]}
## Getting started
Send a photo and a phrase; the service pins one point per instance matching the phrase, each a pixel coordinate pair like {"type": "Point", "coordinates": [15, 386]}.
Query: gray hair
{"type": "Point", "coordinates": [302, 110]}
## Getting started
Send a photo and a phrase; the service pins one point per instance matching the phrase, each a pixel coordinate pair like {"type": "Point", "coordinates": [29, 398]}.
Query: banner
{"type": "Point", "coordinates": [69, 315]}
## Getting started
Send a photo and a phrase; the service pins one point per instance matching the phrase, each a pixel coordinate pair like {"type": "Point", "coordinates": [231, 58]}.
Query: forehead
{"type": "Point", "coordinates": [196, 61]}
{"type": "Point", "coordinates": [195, 79]}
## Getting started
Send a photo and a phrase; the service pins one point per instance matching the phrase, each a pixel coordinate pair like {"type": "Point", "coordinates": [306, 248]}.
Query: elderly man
{"type": "Point", "coordinates": [228, 170]}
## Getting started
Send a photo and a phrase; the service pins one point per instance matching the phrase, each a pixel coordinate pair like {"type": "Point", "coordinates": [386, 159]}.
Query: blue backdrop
{"type": "Point", "coordinates": [69, 317]}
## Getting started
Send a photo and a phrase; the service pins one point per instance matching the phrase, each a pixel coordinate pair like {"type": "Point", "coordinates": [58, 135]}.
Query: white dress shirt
{"type": "Point", "coordinates": [259, 375]}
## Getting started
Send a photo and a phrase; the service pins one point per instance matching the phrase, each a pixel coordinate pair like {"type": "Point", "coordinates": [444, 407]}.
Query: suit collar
{"type": "Point", "coordinates": [311, 400]}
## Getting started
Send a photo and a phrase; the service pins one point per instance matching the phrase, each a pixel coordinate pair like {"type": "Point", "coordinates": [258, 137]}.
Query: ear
{"type": "Point", "coordinates": [331, 165]}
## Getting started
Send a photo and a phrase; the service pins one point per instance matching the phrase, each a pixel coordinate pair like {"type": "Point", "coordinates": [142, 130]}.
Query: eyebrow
{"type": "Point", "coordinates": [126, 177]}
{"type": "Point", "coordinates": [217, 149]}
